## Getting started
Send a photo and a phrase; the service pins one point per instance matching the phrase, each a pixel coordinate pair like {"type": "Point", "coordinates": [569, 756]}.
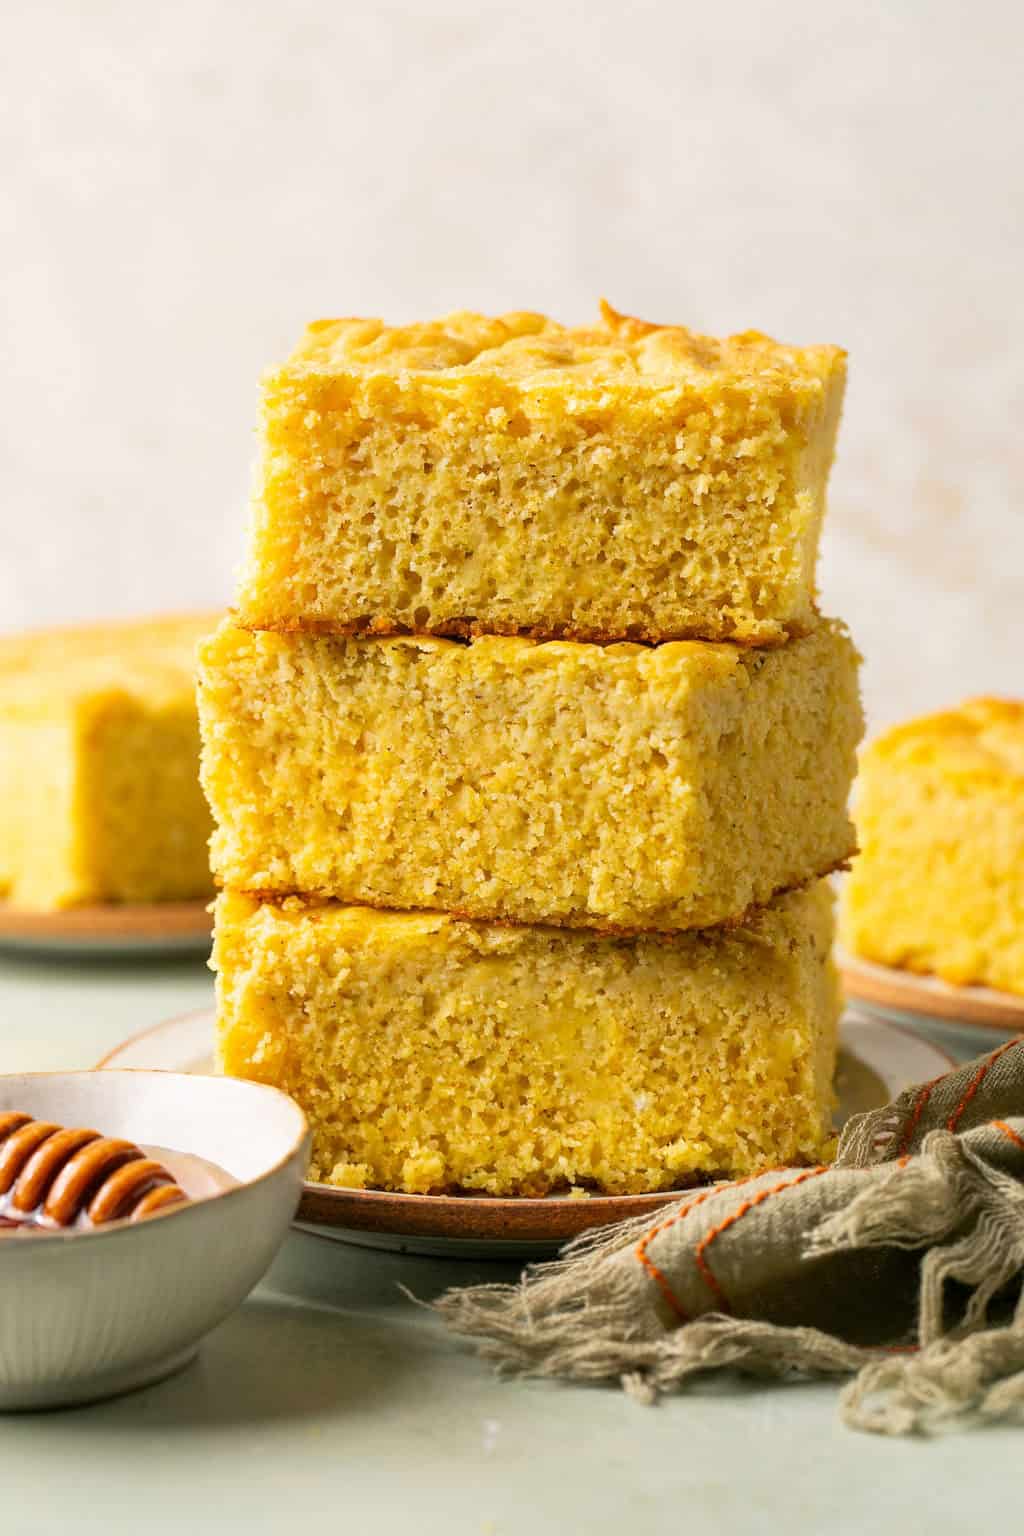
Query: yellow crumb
{"type": "Point", "coordinates": [939, 884]}
{"type": "Point", "coordinates": [550, 782]}
{"type": "Point", "coordinates": [434, 1053]}
{"type": "Point", "coordinates": [512, 475]}
{"type": "Point", "coordinates": [99, 765]}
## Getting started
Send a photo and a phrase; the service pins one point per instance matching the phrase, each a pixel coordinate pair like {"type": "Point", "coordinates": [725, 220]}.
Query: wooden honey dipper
{"type": "Point", "coordinates": [54, 1178]}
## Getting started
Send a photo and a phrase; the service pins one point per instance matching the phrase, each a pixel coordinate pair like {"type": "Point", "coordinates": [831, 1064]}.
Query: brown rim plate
{"type": "Point", "coordinates": [904, 994]}
{"type": "Point", "coordinates": [111, 928]}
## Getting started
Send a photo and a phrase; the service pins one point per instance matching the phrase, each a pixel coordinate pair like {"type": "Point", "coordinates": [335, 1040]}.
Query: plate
{"type": "Point", "coordinates": [159, 927]}
{"type": "Point", "coordinates": [904, 997]}
{"type": "Point", "coordinates": [876, 1062]}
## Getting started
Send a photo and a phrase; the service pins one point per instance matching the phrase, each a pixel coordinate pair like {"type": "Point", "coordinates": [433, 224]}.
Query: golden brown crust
{"type": "Point", "coordinates": [145, 625]}
{"type": "Point", "coordinates": [980, 741]}
{"type": "Point", "coordinates": [525, 347]}
{"type": "Point", "coordinates": [133, 655]}
{"type": "Point", "coordinates": [315, 899]}
{"type": "Point", "coordinates": [382, 627]}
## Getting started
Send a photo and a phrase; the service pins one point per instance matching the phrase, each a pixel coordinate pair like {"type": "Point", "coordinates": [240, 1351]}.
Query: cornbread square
{"type": "Point", "coordinates": [619, 786]}
{"type": "Point", "coordinates": [513, 476]}
{"type": "Point", "coordinates": [99, 765]}
{"type": "Point", "coordinates": [434, 1053]}
{"type": "Point", "coordinates": [939, 884]}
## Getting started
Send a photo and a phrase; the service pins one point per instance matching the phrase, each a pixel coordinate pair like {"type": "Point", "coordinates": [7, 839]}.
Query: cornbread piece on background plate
{"type": "Point", "coordinates": [99, 765]}
{"type": "Point", "coordinates": [939, 884]}
{"type": "Point", "coordinates": [434, 1053]}
{"type": "Point", "coordinates": [617, 786]}
{"type": "Point", "coordinates": [509, 475]}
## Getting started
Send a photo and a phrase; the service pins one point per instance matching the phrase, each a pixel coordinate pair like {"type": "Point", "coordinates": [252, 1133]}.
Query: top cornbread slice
{"type": "Point", "coordinates": [939, 886]}
{"type": "Point", "coordinates": [619, 786]}
{"type": "Point", "coordinates": [513, 476]}
{"type": "Point", "coordinates": [99, 764]}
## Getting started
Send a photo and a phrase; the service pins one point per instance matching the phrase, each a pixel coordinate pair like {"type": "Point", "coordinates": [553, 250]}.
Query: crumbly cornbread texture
{"type": "Point", "coordinates": [99, 765]}
{"type": "Point", "coordinates": [939, 884]}
{"type": "Point", "coordinates": [620, 786]}
{"type": "Point", "coordinates": [434, 1053]}
{"type": "Point", "coordinates": [510, 475]}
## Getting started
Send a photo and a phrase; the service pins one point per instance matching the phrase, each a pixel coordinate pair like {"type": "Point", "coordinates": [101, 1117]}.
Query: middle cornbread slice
{"type": "Point", "coordinates": [620, 786]}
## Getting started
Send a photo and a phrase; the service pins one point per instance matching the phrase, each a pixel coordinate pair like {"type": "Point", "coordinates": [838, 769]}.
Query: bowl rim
{"type": "Point", "coordinates": [125, 1225]}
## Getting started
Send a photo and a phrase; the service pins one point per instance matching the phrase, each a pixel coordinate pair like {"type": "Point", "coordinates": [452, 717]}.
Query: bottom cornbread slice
{"type": "Point", "coordinates": [433, 1053]}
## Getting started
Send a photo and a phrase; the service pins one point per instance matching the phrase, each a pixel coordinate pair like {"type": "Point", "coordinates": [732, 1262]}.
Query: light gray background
{"type": "Point", "coordinates": [183, 186]}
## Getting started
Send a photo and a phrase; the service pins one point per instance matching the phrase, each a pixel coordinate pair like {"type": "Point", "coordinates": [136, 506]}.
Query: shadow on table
{"type": "Point", "coordinates": [272, 1361]}
{"type": "Point", "coordinates": [329, 1332]}
{"type": "Point", "coordinates": [322, 1272]}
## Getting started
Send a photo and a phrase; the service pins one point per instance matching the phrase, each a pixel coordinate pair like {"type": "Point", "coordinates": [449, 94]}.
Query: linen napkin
{"type": "Point", "coordinates": [900, 1264]}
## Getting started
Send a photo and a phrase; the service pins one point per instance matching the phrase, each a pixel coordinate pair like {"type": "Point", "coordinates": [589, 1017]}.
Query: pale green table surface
{"type": "Point", "coordinates": [329, 1404]}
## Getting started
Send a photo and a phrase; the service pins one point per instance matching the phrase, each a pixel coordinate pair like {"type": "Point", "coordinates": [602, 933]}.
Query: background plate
{"type": "Point", "coordinates": [876, 1061]}
{"type": "Point", "coordinates": [902, 995]}
{"type": "Point", "coordinates": [169, 927]}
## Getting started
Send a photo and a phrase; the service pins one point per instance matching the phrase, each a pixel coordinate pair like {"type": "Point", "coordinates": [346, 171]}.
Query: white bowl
{"type": "Point", "coordinates": [87, 1314]}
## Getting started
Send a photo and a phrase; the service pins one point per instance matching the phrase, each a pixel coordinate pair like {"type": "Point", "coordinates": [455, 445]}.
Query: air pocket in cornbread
{"type": "Point", "coordinates": [939, 884]}
{"type": "Point", "coordinates": [622, 786]}
{"type": "Point", "coordinates": [433, 1053]}
{"type": "Point", "coordinates": [99, 765]}
{"type": "Point", "coordinates": [511, 475]}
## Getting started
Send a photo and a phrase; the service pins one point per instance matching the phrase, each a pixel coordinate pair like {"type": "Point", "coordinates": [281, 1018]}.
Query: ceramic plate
{"type": "Point", "coordinates": [157, 928]}
{"type": "Point", "coordinates": [902, 997]}
{"type": "Point", "coordinates": [876, 1061]}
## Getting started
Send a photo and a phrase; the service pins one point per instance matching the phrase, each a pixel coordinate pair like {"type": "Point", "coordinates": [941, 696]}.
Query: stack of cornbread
{"type": "Point", "coordinates": [528, 753]}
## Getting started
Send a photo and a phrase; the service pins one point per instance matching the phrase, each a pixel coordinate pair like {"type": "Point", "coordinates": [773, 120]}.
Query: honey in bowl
{"type": "Point", "coordinates": [53, 1179]}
